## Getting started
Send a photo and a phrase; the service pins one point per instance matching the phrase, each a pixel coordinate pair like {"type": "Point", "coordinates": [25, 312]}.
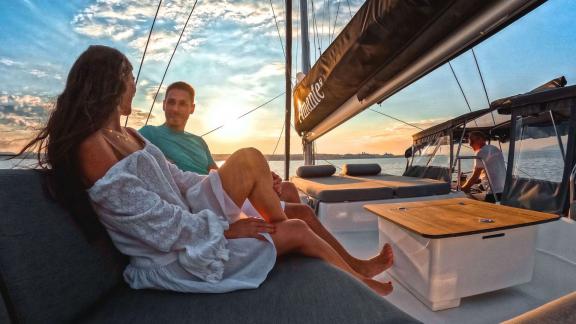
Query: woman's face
{"type": "Point", "coordinates": [125, 107]}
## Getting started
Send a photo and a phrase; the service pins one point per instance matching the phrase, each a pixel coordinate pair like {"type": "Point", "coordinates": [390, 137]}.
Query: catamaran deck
{"type": "Point", "coordinates": [554, 276]}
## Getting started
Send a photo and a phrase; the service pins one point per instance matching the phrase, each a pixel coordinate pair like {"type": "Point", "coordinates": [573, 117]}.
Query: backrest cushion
{"type": "Point", "coordinates": [49, 269]}
{"type": "Point", "coordinates": [4, 317]}
{"type": "Point", "coordinates": [361, 169]}
{"type": "Point", "coordinates": [315, 171]}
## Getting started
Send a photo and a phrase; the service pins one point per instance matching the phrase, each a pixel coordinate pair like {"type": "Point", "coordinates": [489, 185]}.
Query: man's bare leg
{"type": "Point", "coordinates": [368, 268]}
{"type": "Point", "coordinates": [289, 193]}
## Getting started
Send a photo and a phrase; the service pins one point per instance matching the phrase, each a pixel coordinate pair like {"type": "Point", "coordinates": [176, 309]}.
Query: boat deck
{"type": "Point", "coordinates": [554, 276]}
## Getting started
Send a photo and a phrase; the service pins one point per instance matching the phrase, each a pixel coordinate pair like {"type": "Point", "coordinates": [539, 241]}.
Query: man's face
{"type": "Point", "coordinates": [177, 108]}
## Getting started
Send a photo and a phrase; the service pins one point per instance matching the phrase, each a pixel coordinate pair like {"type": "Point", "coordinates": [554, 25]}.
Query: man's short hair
{"type": "Point", "coordinates": [478, 135]}
{"type": "Point", "coordinates": [181, 85]}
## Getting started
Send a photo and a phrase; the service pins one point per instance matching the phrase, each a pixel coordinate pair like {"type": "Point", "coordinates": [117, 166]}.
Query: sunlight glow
{"type": "Point", "coordinates": [226, 112]}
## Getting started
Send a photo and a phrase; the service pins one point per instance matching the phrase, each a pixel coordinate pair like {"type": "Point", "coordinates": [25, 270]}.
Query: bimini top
{"type": "Point", "coordinates": [386, 46]}
{"type": "Point", "coordinates": [498, 128]}
{"type": "Point", "coordinates": [444, 128]}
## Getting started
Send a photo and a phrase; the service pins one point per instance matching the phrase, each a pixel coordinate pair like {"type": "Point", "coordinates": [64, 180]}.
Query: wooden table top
{"type": "Point", "coordinates": [456, 216]}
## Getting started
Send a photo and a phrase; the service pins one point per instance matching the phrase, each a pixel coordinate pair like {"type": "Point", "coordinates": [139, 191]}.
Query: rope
{"type": "Point", "coordinates": [349, 9]}
{"type": "Point", "coordinates": [335, 20]}
{"type": "Point", "coordinates": [145, 50]}
{"type": "Point", "coordinates": [279, 138]}
{"type": "Point", "coordinates": [483, 85]}
{"type": "Point", "coordinates": [400, 120]}
{"type": "Point", "coordinates": [244, 114]}
{"type": "Point", "coordinates": [170, 61]}
{"type": "Point", "coordinates": [277, 29]}
{"type": "Point", "coordinates": [316, 34]}
{"type": "Point", "coordinates": [461, 90]}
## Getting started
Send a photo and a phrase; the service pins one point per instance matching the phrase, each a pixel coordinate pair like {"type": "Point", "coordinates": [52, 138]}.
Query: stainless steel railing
{"type": "Point", "coordinates": [572, 210]}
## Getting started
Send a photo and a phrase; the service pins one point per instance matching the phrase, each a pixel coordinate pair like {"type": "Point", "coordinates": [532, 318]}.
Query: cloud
{"type": "Point", "coordinates": [9, 62]}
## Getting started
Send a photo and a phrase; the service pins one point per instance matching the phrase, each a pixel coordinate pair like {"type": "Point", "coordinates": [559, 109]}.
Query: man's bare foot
{"type": "Point", "coordinates": [381, 288]}
{"type": "Point", "coordinates": [377, 264]}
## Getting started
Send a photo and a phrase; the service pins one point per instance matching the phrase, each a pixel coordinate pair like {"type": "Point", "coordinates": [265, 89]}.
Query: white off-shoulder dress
{"type": "Point", "coordinates": [171, 224]}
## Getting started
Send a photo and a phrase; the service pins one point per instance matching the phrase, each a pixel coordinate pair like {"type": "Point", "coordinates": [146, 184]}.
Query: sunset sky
{"type": "Point", "coordinates": [231, 54]}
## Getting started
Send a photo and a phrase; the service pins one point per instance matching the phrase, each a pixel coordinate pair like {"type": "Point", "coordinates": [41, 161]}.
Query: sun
{"type": "Point", "coordinates": [226, 112]}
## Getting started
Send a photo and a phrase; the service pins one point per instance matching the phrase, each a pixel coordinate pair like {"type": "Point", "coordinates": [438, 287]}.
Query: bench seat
{"type": "Point", "coordinates": [341, 188]}
{"type": "Point", "coordinates": [51, 272]}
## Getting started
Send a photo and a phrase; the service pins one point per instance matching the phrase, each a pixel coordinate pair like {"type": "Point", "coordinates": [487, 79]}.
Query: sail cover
{"type": "Point", "coordinates": [383, 39]}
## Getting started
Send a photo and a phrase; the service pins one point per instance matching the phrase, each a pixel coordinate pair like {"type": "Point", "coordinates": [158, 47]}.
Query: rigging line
{"type": "Point", "coordinates": [461, 90]}
{"type": "Point", "coordinates": [279, 138]}
{"type": "Point", "coordinates": [349, 9]}
{"type": "Point", "coordinates": [169, 62]}
{"type": "Point", "coordinates": [297, 47]}
{"type": "Point", "coordinates": [328, 22]}
{"type": "Point", "coordinates": [145, 50]}
{"type": "Point", "coordinates": [277, 29]}
{"type": "Point", "coordinates": [485, 91]}
{"type": "Point", "coordinates": [316, 33]}
{"type": "Point", "coordinates": [335, 21]}
{"type": "Point", "coordinates": [483, 85]}
{"type": "Point", "coordinates": [244, 114]}
{"type": "Point", "coordinates": [313, 32]}
{"type": "Point", "coordinates": [381, 113]}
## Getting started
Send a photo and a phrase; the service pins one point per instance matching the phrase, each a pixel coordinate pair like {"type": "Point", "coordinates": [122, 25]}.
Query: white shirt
{"type": "Point", "coordinates": [493, 164]}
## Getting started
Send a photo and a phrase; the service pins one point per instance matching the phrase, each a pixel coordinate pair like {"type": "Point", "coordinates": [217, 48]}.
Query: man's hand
{"type": "Point", "coordinates": [249, 227]}
{"type": "Point", "coordinates": [276, 183]}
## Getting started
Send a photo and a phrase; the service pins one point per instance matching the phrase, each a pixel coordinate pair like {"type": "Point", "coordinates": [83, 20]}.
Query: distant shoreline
{"type": "Point", "coordinates": [270, 157]}
{"type": "Point", "coordinates": [299, 157]}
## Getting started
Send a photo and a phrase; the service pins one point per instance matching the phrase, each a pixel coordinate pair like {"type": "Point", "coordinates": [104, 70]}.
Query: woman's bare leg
{"type": "Point", "coordinates": [294, 235]}
{"type": "Point", "coordinates": [368, 268]}
{"type": "Point", "coordinates": [246, 175]}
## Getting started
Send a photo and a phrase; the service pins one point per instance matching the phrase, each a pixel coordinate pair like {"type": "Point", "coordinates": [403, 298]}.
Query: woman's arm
{"type": "Point", "coordinates": [126, 205]}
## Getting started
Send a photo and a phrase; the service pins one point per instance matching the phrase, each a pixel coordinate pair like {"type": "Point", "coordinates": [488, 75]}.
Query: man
{"type": "Point", "coordinates": [191, 153]}
{"type": "Point", "coordinates": [490, 166]}
{"type": "Point", "coordinates": [188, 151]}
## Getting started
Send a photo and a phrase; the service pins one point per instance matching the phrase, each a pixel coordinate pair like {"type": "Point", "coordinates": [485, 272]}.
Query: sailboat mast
{"type": "Point", "coordinates": [307, 147]}
{"type": "Point", "coordinates": [288, 72]}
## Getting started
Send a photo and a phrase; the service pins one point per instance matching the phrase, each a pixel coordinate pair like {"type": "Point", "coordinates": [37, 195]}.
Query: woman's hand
{"type": "Point", "coordinates": [249, 227]}
{"type": "Point", "coordinates": [276, 183]}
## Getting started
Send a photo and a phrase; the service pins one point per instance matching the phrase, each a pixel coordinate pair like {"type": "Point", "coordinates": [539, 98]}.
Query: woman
{"type": "Point", "coordinates": [182, 231]}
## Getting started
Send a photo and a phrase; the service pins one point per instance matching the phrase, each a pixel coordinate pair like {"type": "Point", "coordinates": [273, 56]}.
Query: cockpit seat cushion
{"type": "Point", "coordinates": [367, 188]}
{"type": "Point", "coordinates": [50, 272]}
{"type": "Point", "coordinates": [408, 187]}
{"type": "Point", "coordinates": [361, 169]}
{"type": "Point", "coordinates": [315, 171]}
{"type": "Point", "coordinates": [561, 310]}
{"type": "Point", "coordinates": [49, 269]}
{"type": "Point", "coordinates": [297, 290]}
{"type": "Point", "coordinates": [342, 188]}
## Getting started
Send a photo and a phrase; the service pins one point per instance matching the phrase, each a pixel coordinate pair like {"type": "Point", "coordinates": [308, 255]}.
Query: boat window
{"type": "Point", "coordinates": [435, 153]}
{"type": "Point", "coordinates": [540, 147]}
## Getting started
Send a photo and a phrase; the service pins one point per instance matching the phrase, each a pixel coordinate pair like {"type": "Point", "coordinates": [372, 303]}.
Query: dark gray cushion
{"type": "Point", "coordinates": [343, 188]}
{"type": "Point", "coordinates": [314, 171]}
{"type": "Point", "coordinates": [408, 187]}
{"type": "Point", "coordinates": [298, 290]}
{"type": "Point", "coordinates": [4, 318]}
{"type": "Point", "coordinates": [361, 169]}
{"type": "Point", "coordinates": [50, 270]}
{"type": "Point", "coordinates": [430, 172]}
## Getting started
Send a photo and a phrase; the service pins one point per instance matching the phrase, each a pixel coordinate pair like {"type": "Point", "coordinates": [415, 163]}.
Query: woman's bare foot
{"type": "Point", "coordinates": [381, 288]}
{"type": "Point", "coordinates": [377, 264]}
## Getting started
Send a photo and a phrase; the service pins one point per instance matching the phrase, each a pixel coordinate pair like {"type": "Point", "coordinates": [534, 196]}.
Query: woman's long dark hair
{"type": "Point", "coordinates": [93, 91]}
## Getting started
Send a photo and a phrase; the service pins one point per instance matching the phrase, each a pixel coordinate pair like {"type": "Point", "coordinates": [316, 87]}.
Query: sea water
{"type": "Point", "coordinates": [533, 164]}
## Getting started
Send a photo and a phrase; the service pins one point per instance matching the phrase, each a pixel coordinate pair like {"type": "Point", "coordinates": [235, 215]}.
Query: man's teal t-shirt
{"type": "Point", "coordinates": [188, 151]}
